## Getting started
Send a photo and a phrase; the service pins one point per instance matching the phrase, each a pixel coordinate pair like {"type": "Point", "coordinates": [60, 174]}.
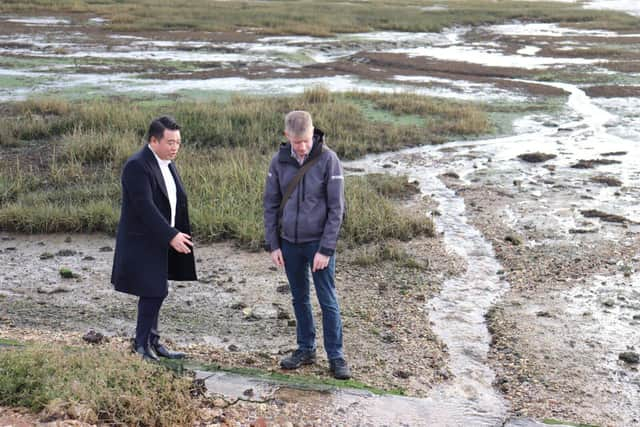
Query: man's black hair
{"type": "Point", "coordinates": [158, 125]}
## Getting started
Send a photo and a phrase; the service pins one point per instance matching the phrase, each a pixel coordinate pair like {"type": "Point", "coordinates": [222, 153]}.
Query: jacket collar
{"type": "Point", "coordinates": [284, 154]}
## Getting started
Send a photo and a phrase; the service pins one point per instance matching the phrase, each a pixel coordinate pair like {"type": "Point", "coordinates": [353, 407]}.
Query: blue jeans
{"type": "Point", "coordinates": [298, 258]}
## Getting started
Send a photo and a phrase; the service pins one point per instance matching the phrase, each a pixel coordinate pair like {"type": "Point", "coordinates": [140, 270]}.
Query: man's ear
{"type": "Point", "coordinates": [153, 140]}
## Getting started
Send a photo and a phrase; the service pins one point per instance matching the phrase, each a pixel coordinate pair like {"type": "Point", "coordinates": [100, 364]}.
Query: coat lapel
{"type": "Point", "coordinates": [176, 178]}
{"type": "Point", "coordinates": [155, 168]}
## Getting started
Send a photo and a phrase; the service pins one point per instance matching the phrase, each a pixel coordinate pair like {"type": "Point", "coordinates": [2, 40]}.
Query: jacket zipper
{"type": "Point", "coordinates": [297, 212]}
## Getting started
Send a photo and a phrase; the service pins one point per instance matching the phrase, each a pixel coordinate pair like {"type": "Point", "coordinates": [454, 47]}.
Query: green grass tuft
{"type": "Point", "coordinates": [94, 385]}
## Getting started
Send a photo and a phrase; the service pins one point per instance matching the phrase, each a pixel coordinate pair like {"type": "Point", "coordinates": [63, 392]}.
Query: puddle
{"type": "Point", "coordinates": [478, 55]}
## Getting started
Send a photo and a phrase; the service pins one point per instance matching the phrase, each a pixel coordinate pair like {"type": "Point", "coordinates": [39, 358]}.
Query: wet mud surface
{"type": "Point", "coordinates": [87, 55]}
{"type": "Point", "coordinates": [239, 313]}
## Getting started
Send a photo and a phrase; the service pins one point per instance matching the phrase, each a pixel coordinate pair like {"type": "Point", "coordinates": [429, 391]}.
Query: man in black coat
{"type": "Point", "coordinates": [153, 241]}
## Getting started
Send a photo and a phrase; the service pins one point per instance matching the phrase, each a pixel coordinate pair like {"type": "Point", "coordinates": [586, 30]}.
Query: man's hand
{"type": "Point", "coordinates": [276, 257]}
{"type": "Point", "coordinates": [320, 262]}
{"type": "Point", "coordinates": [181, 243]}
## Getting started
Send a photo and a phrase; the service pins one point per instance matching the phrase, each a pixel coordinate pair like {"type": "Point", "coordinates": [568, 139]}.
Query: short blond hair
{"type": "Point", "coordinates": [297, 123]}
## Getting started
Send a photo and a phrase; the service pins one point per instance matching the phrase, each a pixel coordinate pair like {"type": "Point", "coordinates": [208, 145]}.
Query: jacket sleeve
{"type": "Point", "coordinates": [335, 205]}
{"type": "Point", "coordinates": [137, 186]}
{"type": "Point", "coordinates": [271, 204]}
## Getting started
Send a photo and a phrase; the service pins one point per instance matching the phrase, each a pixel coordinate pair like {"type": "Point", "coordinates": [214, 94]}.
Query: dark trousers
{"type": "Point", "coordinates": [298, 259]}
{"type": "Point", "coordinates": [147, 324]}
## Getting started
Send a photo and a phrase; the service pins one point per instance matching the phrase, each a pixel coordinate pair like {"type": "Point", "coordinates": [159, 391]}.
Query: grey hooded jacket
{"type": "Point", "coordinates": [314, 210]}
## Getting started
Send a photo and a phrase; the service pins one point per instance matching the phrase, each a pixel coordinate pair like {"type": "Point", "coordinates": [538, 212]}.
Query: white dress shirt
{"type": "Point", "coordinates": [170, 184]}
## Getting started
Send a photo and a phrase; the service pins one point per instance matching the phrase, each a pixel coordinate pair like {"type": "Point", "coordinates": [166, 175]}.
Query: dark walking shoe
{"type": "Point", "coordinates": [298, 358]}
{"type": "Point", "coordinates": [339, 369]}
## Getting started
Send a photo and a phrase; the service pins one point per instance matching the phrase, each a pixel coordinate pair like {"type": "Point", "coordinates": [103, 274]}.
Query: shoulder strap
{"type": "Point", "coordinates": [296, 179]}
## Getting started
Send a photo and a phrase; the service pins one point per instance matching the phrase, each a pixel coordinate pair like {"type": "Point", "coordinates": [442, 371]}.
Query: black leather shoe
{"type": "Point", "coordinates": [147, 353]}
{"type": "Point", "coordinates": [163, 351]}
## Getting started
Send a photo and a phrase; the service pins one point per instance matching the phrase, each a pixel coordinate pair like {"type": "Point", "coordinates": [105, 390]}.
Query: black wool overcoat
{"type": "Point", "coordinates": [143, 260]}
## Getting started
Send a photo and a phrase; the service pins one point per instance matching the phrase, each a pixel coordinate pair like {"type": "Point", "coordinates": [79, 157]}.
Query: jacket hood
{"type": "Point", "coordinates": [284, 154]}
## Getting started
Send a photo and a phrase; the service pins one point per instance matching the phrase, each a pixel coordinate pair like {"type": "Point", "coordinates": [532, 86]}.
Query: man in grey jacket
{"type": "Point", "coordinates": [303, 235]}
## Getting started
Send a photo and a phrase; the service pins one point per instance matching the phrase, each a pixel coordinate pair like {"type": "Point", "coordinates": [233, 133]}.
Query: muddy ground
{"type": "Point", "coordinates": [549, 360]}
{"type": "Point", "coordinates": [239, 313]}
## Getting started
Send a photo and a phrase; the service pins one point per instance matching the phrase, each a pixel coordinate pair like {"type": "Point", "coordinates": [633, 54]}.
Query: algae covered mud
{"type": "Point", "coordinates": [528, 308]}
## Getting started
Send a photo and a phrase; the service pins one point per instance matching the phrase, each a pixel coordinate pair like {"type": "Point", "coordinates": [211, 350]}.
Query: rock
{"type": "Point", "coordinates": [260, 422]}
{"type": "Point", "coordinates": [46, 255]}
{"type": "Point", "coordinates": [389, 337]}
{"type": "Point", "coordinates": [233, 347]}
{"type": "Point", "coordinates": [291, 322]}
{"type": "Point", "coordinates": [93, 337]}
{"type": "Point", "coordinates": [513, 239]}
{"type": "Point", "coordinates": [283, 315]}
{"type": "Point", "coordinates": [55, 290]}
{"type": "Point", "coordinates": [451, 175]}
{"type": "Point", "coordinates": [88, 258]}
{"type": "Point", "coordinates": [536, 157]}
{"type": "Point", "coordinates": [283, 289]}
{"type": "Point", "coordinates": [401, 374]}
{"type": "Point", "coordinates": [608, 303]}
{"type": "Point", "coordinates": [68, 239]}
{"type": "Point", "coordinates": [106, 249]}
{"type": "Point", "coordinates": [66, 252]}
{"type": "Point", "coordinates": [594, 213]}
{"type": "Point", "coordinates": [249, 314]}
{"type": "Point", "coordinates": [609, 181]}
{"type": "Point", "coordinates": [630, 357]}
{"type": "Point", "coordinates": [238, 306]}
{"type": "Point", "coordinates": [248, 392]}
{"type": "Point", "coordinates": [543, 314]}
{"type": "Point", "coordinates": [590, 164]}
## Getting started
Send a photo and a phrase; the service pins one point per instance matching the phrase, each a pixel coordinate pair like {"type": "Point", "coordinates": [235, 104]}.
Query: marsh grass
{"type": "Point", "coordinates": [378, 253]}
{"type": "Point", "coordinates": [319, 18]}
{"type": "Point", "coordinates": [94, 385]}
{"type": "Point", "coordinates": [226, 150]}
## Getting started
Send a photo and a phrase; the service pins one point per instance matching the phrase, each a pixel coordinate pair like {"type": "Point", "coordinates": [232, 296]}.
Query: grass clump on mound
{"type": "Point", "coordinates": [94, 385]}
{"type": "Point", "coordinates": [63, 173]}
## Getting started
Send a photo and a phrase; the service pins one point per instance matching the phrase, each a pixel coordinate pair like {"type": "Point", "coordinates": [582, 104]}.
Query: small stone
{"type": "Point", "coordinates": [88, 258]}
{"type": "Point", "coordinates": [402, 374]}
{"type": "Point", "coordinates": [536, 157]}
{"type": "Point", "coordinates": [66, 252]}
{"type": "Point", "coordinates": [291, 322]}
{"type": "Point", "coordinates": [248, 392]}
{"type": "Point", "coordinates": [543, 314]}
{"type": "Point", "coordinates": [93, 337]}
{"type": "Point", "coordinates": [239, 306]}
{"type": "Point", "coordinates": [106, 249]}
{"type": "Point", "coordinates": [513, 239]}
{"type": "Point", "coordinates": [46, 255]}
{"type": "Point", "coordinates": [630, 357]}
{"type": "Point", "coordinates": [233, 347]}
{"type": "Point", "coordinates": [283, 289]}
{"type": "Point", "coordinates": [68, 239]}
